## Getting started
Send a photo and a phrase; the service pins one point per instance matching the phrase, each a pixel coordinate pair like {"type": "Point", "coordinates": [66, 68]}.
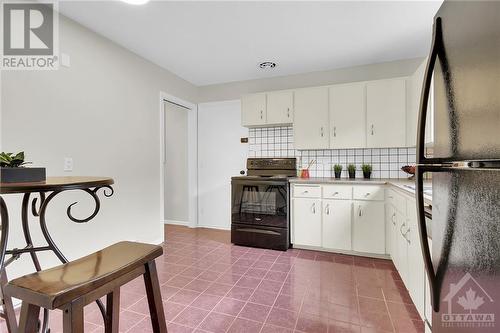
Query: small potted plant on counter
{"type": "Point", "coordinates": [337, 169]}
{"type": "Point", "coordinates": [367, 170]}
{"type": "Point", "coordinates": [351, 169]}
{"type": "Point", "coordinates": [13, 170]}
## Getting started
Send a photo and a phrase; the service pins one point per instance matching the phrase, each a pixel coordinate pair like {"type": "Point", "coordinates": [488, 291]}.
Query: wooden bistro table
{"type": "Point", "coordinates": [43, 193]}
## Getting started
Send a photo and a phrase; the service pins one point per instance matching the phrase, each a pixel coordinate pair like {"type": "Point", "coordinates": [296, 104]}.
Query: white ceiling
{"type": "Point", "coordinates": [215, 42]}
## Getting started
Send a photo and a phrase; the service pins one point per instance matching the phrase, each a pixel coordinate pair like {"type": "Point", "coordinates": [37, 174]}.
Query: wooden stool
{"type": "Point", "coordinates": [72, 286]}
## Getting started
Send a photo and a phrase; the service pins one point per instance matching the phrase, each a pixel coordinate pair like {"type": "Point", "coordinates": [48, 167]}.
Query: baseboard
{"type": "Point", "coordinates": [176, 222]}
{"type": "Point", "coordinates": [214, 227]}
{"type": "Point", "coordinates": [351, 253]}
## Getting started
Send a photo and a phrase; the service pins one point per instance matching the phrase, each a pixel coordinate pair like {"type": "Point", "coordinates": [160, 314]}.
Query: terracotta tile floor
{"type": "Point", "coordinates": [209, 285]}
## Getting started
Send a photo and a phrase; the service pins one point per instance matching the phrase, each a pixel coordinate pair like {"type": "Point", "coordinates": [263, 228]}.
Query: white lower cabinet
{"type": "Point", "coordinates": [402, 247]}
{"type": "Point", "coordinates": [337, 215]}
{"type": "Point", "coordinates": [405, 246]}
{"type": "Point", "coordinates": [416, 280]}
{"type": "Point", "coordinates": [306, 221]}
{"type": "Point", "coordinates": [368, 227]}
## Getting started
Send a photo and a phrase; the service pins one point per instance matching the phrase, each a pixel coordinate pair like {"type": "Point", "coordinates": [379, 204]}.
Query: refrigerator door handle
{"type": "Point", "coordinates": [437, 43]}
{"type": "Point", "coordinates": [426, 86]}
{"type": "Point", "coordinates": [434, 287]}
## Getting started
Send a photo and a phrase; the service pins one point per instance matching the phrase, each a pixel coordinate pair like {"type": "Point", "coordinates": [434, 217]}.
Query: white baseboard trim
{"type": "Point", "coordinates": [176, 222]}
{"type": "Point", "coordinates": [218, 227]}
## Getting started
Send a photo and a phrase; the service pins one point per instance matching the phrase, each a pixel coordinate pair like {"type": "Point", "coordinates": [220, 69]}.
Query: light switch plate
{"type": "Point", "coordinates": [68, 164]}
{"type": "Point", "coordinates": [65, 60]}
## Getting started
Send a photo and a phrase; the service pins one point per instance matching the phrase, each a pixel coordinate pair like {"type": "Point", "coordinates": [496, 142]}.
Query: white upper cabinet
{"type": "Point", "coordinates": [414, 96]}
{"type": "Point", "coordinates": [347, 116]}
{"type": "Point", "coordinates": [310, 126]}
{"type": "Point", "coordinates": [253, 110]}
{"type": "Point", "coordinates": [280, 108]}
{"type": "Point", "coordinates": [386, 113]}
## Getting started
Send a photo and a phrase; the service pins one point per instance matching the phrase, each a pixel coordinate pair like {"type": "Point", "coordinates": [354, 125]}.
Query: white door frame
{"type": "Point", "coordinates": [192, 156]}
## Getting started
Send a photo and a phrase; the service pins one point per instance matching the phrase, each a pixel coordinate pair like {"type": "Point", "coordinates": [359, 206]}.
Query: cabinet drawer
{"type": "Point", "coordinates": [337, 192]}
{"type": "Point", "coordinates": [307, 191]}
{"type": "Point", "coordinates": [368, 192]}
{"type": "Point", "coordinates": [398, 201]}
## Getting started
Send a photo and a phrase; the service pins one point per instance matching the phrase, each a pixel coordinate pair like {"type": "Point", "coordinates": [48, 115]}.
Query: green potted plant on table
{"type": "Point", "coordinates": [337, 169]}
{"type": "Point", "coordinates": [351, 169]}
{"type": "Point", "coordinates": [367, 170]}
{"type": "Point", "coordinates": [13, 169]}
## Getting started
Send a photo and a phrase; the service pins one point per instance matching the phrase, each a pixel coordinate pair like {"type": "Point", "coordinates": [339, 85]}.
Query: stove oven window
{"type": "Point", "coordinates": [259, 204]}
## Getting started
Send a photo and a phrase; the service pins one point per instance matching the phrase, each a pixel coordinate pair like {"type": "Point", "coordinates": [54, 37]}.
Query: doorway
{"type": "Point", "coordinates": [175, 163]}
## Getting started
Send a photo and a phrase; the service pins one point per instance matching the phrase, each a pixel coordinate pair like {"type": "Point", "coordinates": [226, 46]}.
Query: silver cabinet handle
{"type": "Point", "coordinates": [393, 219]}
{"type": "Point", "coordinates": [401, 230]}
{"type": "Point", "coordinates": [334, 131]}
{"type": "Point", "coordinates": [305, 192]}
{"type": "Point", "coordinates": [322, 132]}
{"type": "Point", "coordinates": [327, 209]}
{"type": "Point", "coordinates": [313, 208]}
{"type": "Point", "coordinates": [288, 112]}
{"type": "Point", "coordinates": [360, 212]}
{"type": "Point", "coordinates": [335, 194]}
{"type": "Point", "coordinates": [372, 129]}
{"type": "Point", "coordinates": [262, 115]}
{"type": "Point", "coordinates": [367, 194]}
{"type": "Point", "coordinates": [407, 237]}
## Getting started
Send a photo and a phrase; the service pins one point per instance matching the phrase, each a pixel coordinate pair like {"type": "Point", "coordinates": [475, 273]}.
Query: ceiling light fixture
{"type": "Point", "coordinates": [136, 2]}
{"type": "Point", "coordinates": [267, 65]}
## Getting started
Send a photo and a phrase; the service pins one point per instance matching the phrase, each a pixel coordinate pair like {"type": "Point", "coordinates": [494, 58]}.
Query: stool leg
{"type": "Point", "coordinates": [154, 298]}
{"type": "Point", "coordinates": [28, 321]}
{"type": "Point", "coordinates": [112, 311]}
{"type": "Point", "coordinates": [73, 317]}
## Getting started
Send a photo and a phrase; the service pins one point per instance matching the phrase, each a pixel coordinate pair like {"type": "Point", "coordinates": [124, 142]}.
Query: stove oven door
{"type": "Point", "coordinates": [260, 203]}
{"type": "Point", "coordinates": [260, 214]}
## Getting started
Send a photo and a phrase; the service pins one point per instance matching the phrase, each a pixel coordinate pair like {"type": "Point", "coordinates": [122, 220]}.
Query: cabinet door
{"type": "Point", "coordinates": [280, 108]}
{"type": "Point", "coordinates": [337, 224]}
{"type": "Point", "coordinates": [310, 124]}
{"type": "Point", "coordinates": [389, 227]}
{"type": "Point", "coordinates": [306, 222]}
{"type": "Point", "coordinates": [369, 227]}
{"type": "Point", "coordinates": [386, 113]}
{"type": "Point", "coordinates": [416, 269]}
{"type": "Point", "coordinates": [402, 244]}
{"type": "Point", "coordinates": [394, 237]}
{"type": "Point", "coordinates": [253, 110]}
{"type": "Point", "coordinates": [347, 116]}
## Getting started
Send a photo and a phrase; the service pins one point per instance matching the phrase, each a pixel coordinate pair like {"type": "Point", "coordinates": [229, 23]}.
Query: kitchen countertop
{"type": "Point", "coordinates": [399, 184]}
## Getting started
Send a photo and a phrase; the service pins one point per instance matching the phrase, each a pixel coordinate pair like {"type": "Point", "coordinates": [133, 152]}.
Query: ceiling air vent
{"type": "Point", "coordinates": [267, 65]}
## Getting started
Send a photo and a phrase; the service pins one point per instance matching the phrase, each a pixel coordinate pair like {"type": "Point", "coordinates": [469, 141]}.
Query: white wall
{"type": "Point", "coordinates": [104, 112]}
{"type": "Point", "coordinates": [220, 156]}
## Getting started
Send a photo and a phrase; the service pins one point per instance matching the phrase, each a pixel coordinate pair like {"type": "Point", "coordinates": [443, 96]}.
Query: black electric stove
{"type": "Point", "coordinates": [261, 202]}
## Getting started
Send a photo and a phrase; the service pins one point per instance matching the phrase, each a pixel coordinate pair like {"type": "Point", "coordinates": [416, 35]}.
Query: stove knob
{"type": "Point", "coordinates": [242, 172]}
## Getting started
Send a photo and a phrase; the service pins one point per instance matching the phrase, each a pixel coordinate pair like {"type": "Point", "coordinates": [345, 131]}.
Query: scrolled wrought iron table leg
{"type": "Point", "coordinates": [48, 237]}
{"type": "Point", "coordinates": [29, 243]}
{"type": "Point", "coordinates": [8, 307]}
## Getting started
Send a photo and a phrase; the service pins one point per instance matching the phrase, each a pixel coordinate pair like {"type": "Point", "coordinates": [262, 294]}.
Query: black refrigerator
{"type": "Point", "coordinates": [463, 269]}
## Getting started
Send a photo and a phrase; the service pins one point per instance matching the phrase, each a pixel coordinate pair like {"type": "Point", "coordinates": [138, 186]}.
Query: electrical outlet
{"type": "Point", "coordinates": [68, 164]}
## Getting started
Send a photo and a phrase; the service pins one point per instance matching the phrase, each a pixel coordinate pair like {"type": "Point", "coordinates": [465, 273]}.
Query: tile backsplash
{"type": "Point", "coordinates": [278, 142]}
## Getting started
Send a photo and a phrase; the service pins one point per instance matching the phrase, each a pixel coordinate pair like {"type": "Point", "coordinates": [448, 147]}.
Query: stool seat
{"type": "Point", "coordinates": [57, 286]}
